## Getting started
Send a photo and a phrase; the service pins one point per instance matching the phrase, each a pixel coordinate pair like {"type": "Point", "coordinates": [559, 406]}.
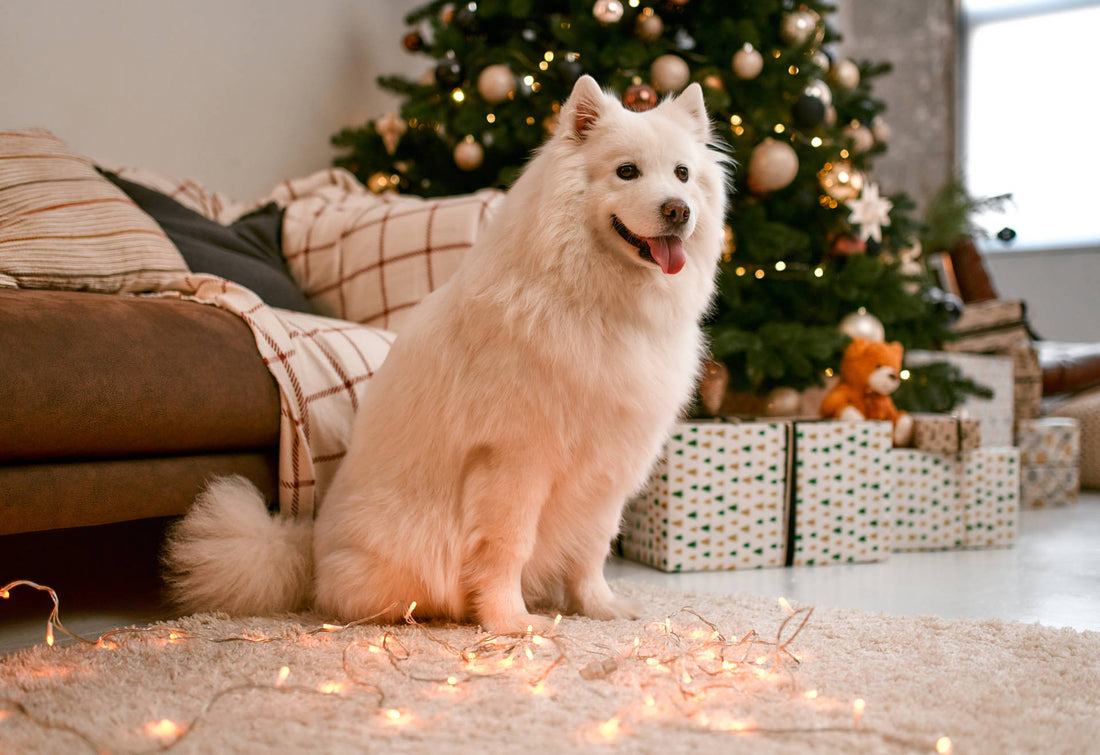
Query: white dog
{"type": "Point", "coordinates": [524, 401]}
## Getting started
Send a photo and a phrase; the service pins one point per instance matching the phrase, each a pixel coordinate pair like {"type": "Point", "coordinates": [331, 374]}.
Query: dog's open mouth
{"type": "Point", "coordinates": [667, 252]}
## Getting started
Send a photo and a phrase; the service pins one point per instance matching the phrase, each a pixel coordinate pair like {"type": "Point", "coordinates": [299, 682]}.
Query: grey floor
{"type": "Point", "coordinates": [1051, 576]}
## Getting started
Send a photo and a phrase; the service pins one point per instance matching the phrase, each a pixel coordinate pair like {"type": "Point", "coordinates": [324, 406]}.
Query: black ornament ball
{"type": "Point", "coordinates": [465, 19]}
{"type": "Point", "coordinates": [571, 70]}
{"type": "Point", "coordinates": [808, 111]}
{"type": "Point", "coordinates": [1006, 234]}
{"type": "Point", "coordinates": [952, 306]}
{"type": "Point", "coordinates": [448, 74]}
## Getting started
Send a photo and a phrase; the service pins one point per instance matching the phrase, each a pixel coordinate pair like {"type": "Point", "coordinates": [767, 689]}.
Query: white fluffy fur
{"type": "Point", "coordinates": [522, 404]}
{"type": "Point", "coordinates": [228, 554]}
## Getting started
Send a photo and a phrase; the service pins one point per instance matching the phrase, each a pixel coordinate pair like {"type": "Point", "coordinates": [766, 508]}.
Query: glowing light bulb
{"type": "Point", "coordinates": [452, 680]}
{"type": "Point", "coordinates": [904, 374]}
{"type": "Point", "coordinates": [818, 272]}
{"type": "Point", "coordinates": [393, 714]}
{"type": "Point", "coordinates": [781, 266]}
{"type": "Point", "coordinates": [759, 274]}
{"type": "Point", "coordinates": [5, 594]}
{"type": "Point", "coordinates": [783, 601]}
{"type": "Point", "coordinates": [943, 745]}
{"type": "Point", "coordinates": [49, 634]}
{"type": "Point", "coordinates": [163, 728]}
{"type": "Point", "coordinates": [779, 128]}
{"type": "Point", "coordinates": [610, 727]}
{"type": "Point", "coordinates": [816, 141]}
{"type": "Point", "coordinates": [810, 694]}
{"type": "Point", "coordinates": [458, 95]}
{"type": "Point", "coordinates": [857, 710]}
{"type": "Point", "coordinates": [284, 672]}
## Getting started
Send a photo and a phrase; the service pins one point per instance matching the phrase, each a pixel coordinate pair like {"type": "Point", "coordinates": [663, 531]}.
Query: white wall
{"type": "Point", "coordinates": [236, 93]}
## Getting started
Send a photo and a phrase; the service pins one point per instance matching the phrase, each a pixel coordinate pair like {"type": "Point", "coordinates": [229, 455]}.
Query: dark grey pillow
{"type": "Point", "coordinates": [248, 251]}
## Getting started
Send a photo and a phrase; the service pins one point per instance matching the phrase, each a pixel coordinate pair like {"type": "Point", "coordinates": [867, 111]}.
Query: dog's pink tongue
{"type": "Point", "coordinates": [668, 252]}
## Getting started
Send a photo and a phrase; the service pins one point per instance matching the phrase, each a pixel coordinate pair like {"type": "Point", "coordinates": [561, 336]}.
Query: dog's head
{"type": "Point", "coordinates": [652, 177]}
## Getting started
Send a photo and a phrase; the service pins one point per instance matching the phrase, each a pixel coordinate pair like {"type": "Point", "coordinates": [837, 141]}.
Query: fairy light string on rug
{"type": "Point", "coordinates": [691, 672]}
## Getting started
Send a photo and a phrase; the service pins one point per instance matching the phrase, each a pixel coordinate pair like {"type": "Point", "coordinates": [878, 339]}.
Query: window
{"type": "Point", "coordinates": [1031, 118]}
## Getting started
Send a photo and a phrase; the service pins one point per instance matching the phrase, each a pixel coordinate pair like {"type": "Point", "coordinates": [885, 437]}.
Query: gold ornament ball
{"type": "Point", "coordinates": [861, 136]}
{"type": "Point", "coordinates": [670, 73]}
{"type": "Point", "coordinates": [783, 402]}
{"type": "Point", "coordinates": [772, 165]}
{"type": "Point", "coordinates": [496, 83]}
{"type": "Point", "coordinates": [714, 81]}
{"type": "Point", "coordinates": [649, 27]}
{"type": "Point", "coordinates": [845, 74]}
{"type": "Point", "coordinates": [863, 324]}
{"type": "Point", "coordinates": [713, 383]}
{"type": "Point", "coordinates": [469, 154]}
{"type": "Point", "coordinates": [747, 63]}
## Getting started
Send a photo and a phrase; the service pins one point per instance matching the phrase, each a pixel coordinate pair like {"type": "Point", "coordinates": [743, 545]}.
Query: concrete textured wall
{"type": "Point", "coordinates": [919, 40]}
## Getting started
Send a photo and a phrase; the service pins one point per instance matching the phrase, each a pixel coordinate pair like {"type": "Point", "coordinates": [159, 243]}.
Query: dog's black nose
{"type": "Point", "coordinates": [676, 211]}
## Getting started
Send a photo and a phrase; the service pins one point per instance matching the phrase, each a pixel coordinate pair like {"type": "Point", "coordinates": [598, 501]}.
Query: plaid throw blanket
{"type": "Point", "coordinates": [362, 258]}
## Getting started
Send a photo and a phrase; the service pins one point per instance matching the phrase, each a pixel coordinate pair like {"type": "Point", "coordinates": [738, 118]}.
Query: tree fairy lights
{"type": "Point", "coordinates": [682, 671]}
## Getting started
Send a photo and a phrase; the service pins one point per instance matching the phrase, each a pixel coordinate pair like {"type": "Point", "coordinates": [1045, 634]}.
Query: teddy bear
{"type": "Point", "coordinates": [869, 373]}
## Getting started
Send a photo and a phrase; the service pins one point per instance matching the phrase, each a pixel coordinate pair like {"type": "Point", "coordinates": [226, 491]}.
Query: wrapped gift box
{"type": "Point", "coordinates": [926, 499]}
{"type": "Point", "coordinates": [943, 433]}
{"type": "Point", "coordinates": [990, 326]}
{"type": "Point", "coordinates": [954, 500]}
{"type": "Point", "coordinates": [717, 499]}
{"type": "Point", "coordinates": [841, 504]}
{"type": "Point", "coordinates": [996, 414]}
{"type": "Point", "coordinates": [1049, 440]}
{"type": "Point", "coordinates": [1028, 375]}
{"type": "Point", "coordinates": [1050, 450]}
{"type": "Point", "coordinates": [990, 496]}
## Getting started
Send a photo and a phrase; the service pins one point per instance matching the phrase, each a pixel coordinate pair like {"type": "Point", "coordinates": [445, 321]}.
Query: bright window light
{"type": "Point", "coordinates": [1032, 119]}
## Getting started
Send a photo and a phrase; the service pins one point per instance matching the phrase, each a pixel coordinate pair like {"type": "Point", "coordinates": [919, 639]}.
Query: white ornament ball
{"type": "Point", "coordinates": [469, 154]}
{"type": "Point", "coordinates": [783, 402]}
{"type": "Point", "coordinates": [861, 136]}
{"type": "Point", "coordinates": [670, 73]}
{"type": "Point", "coordinates": [608, 11]}
{"type": "Point", "coordinates": [845, 74]}
{"type": "Point", "coordinates": [799, 27]}
{"type": "Point", "coordinates": [863, 324]}
{"type": "Point", "coordinates": [772, 165]}
{"type": "Point", "coordinates": [881, 129]}
{"type": "Point", "coordinates": [748, 63]}
{"type": "Point", "coordinates": [496, 83]}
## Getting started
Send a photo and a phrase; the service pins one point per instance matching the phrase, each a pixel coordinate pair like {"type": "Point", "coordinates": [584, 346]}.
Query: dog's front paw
{"type": "Point", "coordinates": [613, 608]}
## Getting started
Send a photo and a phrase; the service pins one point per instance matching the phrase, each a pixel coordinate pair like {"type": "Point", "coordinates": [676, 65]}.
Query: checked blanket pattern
{"type": "Point", "coordinates": [364, 260]}
{"type": "Point", "coordinates": [322, 366]}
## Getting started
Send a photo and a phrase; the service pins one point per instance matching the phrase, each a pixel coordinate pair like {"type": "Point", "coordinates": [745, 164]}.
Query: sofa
{"type": "Point", "coordinates": [119, 408]}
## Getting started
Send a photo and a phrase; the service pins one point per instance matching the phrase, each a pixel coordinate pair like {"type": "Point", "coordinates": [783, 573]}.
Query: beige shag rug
{"type": "Point", "coordinates": [701, 674]}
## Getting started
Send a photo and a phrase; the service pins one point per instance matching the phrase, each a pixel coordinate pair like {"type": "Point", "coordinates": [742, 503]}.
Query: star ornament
{"type": "Point", "coordinates": [871, 212]}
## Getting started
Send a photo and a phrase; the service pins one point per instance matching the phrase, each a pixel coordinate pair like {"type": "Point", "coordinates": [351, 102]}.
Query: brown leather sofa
{"type": "Point", "coordinates": [118, 408]}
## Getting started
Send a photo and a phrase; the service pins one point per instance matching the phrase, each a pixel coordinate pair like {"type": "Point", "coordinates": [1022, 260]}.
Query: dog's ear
{"type": "Point", "coordinates": [690, 103]}
{"type": "Point", "coordinates": [583, 108]}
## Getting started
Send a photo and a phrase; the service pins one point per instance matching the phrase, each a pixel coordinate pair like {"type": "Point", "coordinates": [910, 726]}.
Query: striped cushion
{"type": "Point", "coordinates": [62, 225]}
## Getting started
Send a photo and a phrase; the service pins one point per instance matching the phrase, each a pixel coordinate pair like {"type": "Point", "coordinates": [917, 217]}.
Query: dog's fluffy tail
{"type": "Point", "coordinates": [229, 554]}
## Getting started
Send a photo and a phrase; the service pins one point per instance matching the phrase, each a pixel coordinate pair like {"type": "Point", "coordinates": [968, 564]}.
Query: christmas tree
{"type": "Point", "coordinates": [814, 252]}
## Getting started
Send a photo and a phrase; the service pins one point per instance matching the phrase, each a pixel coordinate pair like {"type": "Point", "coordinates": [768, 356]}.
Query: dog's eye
{"type": "Point", "coordinates": [627, 171]}
{"type": "Point", "coordinates": [682, 173]}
